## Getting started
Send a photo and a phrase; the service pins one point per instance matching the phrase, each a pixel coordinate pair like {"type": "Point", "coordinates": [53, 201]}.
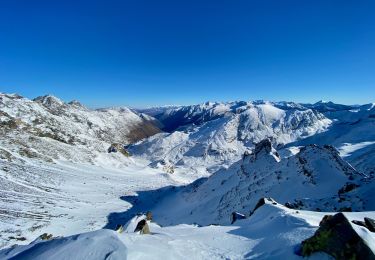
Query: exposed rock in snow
{"type": "Point", "coordinates": [352, 134]}
{"type": "Point", "coordinates": [338, 237]}
{"type": "Point", "coordinates": [49, 129]}
{"type": "Point", "coordinates": [219, 133]}
{"type": "Point", "coordinates": [311, 180]}
{"type": "Point", "coordinates": [57, 177]}
{"type": "Point", "coordinates": [272, 232]}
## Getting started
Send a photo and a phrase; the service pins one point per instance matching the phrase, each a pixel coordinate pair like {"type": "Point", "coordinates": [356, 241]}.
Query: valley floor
{"type": "Point", "coordinates": [65, 198]}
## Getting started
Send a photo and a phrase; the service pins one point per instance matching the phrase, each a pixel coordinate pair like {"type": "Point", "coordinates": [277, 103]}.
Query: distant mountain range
{"type": "Point", "coordinates": [192, 164]}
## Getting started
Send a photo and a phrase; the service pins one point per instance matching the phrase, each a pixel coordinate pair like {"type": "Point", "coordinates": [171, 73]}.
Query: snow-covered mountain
{"type": "Point", "coordinates": [352, 133]}
{"type": "Point", "coordinates": [188, 164]}
{"type": "Point", "coordinates": [216, 133]}
{"type": "Point", "coordinates": [213, 133]}
{"type": "Point", "coordinates": [47, 128]}
{"type": "Point", "coordinates": [328, 106]}
{"type": "Point", "coordinates": [316, 178]}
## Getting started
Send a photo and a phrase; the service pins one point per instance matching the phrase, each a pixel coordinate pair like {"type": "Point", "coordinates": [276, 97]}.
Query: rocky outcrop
{"type": "Point", "coordinates": [114, 148]}
{"type": "Point", "coordinates": [263, 201]}
{"type": "Point", "coordinates": [265, 146]}
{"type": "Point", "coordinates": [368, 223]}
{"type": "Point", "coordinates": [337, 237]}
{"type": "Point", "coordinates": [310, 180]}
{"type": "Point", "coordinates": [236, 216]}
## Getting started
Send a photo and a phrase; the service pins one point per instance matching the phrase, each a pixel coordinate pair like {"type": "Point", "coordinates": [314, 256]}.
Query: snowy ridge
{"type": "Point", "coordinates": [317, 173]}
{"type": "Point", "coordinates": [219, 133]}
{"type": "Point", "coordinates": [352, 134]}
{"type": "Point", "coordinates": [48, 129]}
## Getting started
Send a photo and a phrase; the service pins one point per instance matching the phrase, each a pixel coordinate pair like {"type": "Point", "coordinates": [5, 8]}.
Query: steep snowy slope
{"type": "Point", "coordinates": [47, 128]}
{"type": "Point", "coordinates": [316, 178]}
{"type": "Point", "coordinates": [219, 133]}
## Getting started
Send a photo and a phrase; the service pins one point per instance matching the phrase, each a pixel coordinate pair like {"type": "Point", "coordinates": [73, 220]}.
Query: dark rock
{"type": "Point", "coordinates": [337, 237]}
{"type": "Point", "coordinates": [115, 147]}
{"type": "Point", "coordinates": [265, 144]}
{"type": "Point", "coordinates": [263, 201]}
{"type": "Point", "coordinates": [45, 236]}
{"type": "Point", "coordinates": [359, 223]}
{"type": "Point", "coordinates": [347, 187]}
{"type": "Point", "coordinates": [142, 227]}
{"type": "Point", "coordinates": [367, 223]}
{"type": "Point", "coordinates": [236, 216]}
{"type": "Point", "coordinates": [17, 238]}
{"type": "Point", "coordinates": [370, 224]}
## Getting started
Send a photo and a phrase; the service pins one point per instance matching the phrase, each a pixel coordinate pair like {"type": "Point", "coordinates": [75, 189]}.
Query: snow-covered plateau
{"type": "Point", "coordinates": [70, 176]}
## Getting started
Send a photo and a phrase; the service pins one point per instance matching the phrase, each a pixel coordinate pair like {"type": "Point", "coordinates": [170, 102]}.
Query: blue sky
{"type": "Point", "coordinates": [142, 53]}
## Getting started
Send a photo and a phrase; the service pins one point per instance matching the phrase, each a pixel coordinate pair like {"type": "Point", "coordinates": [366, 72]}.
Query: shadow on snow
{"type": "Point", "coordinates": [147, 201]}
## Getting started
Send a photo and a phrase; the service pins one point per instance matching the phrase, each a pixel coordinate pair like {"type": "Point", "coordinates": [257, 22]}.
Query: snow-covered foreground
{"type": "Point", "coordinates": [272, 232]}
{"type": "Point", "coordinates": [67, 198]}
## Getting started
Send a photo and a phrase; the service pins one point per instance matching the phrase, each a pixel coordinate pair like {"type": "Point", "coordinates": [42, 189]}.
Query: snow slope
{"type": "Point", "coordinates": [352, 133]}
{"type": "Point", "coordinates": [311, 179]}
{"type": "Point", "coordinates": [57, 177]}
{"type": "Point", "coordinates": [272, 232]}
{"type": "Point", "coordinates": [65, 198]}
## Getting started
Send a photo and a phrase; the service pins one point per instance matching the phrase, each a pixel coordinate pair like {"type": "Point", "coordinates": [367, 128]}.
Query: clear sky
{"type": "Point", "coordinates": [141, 53]}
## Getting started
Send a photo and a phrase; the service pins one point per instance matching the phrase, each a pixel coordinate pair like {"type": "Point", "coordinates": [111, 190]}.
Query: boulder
{"type": "Point", "coordinates": [46, 236]}
{"type": "Point", "coordinates": [142, 227]}
{"type": "Point", "coordinates": [139, 223]}
{"type": "Point", "coordinates": [368, 223]}
{"type": "Point", "coordinates": [337, 237]}
{"type": "Point", "coordinates": [116, 147]}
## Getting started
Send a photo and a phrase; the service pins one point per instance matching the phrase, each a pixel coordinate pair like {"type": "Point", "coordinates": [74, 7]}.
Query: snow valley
{"type": "Point", "coordinates": [235, 180]}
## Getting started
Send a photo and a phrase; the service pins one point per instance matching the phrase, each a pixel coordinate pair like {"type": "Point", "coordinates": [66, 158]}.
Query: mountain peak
{"type": "Point", "coordinates": [263, 148]}
{"type": "Point", "coordinates": [323, 102]}
{"type": "Point", "coordinates": [76, 103]}
{"type": "Point", "coordinates": [49, 101]}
